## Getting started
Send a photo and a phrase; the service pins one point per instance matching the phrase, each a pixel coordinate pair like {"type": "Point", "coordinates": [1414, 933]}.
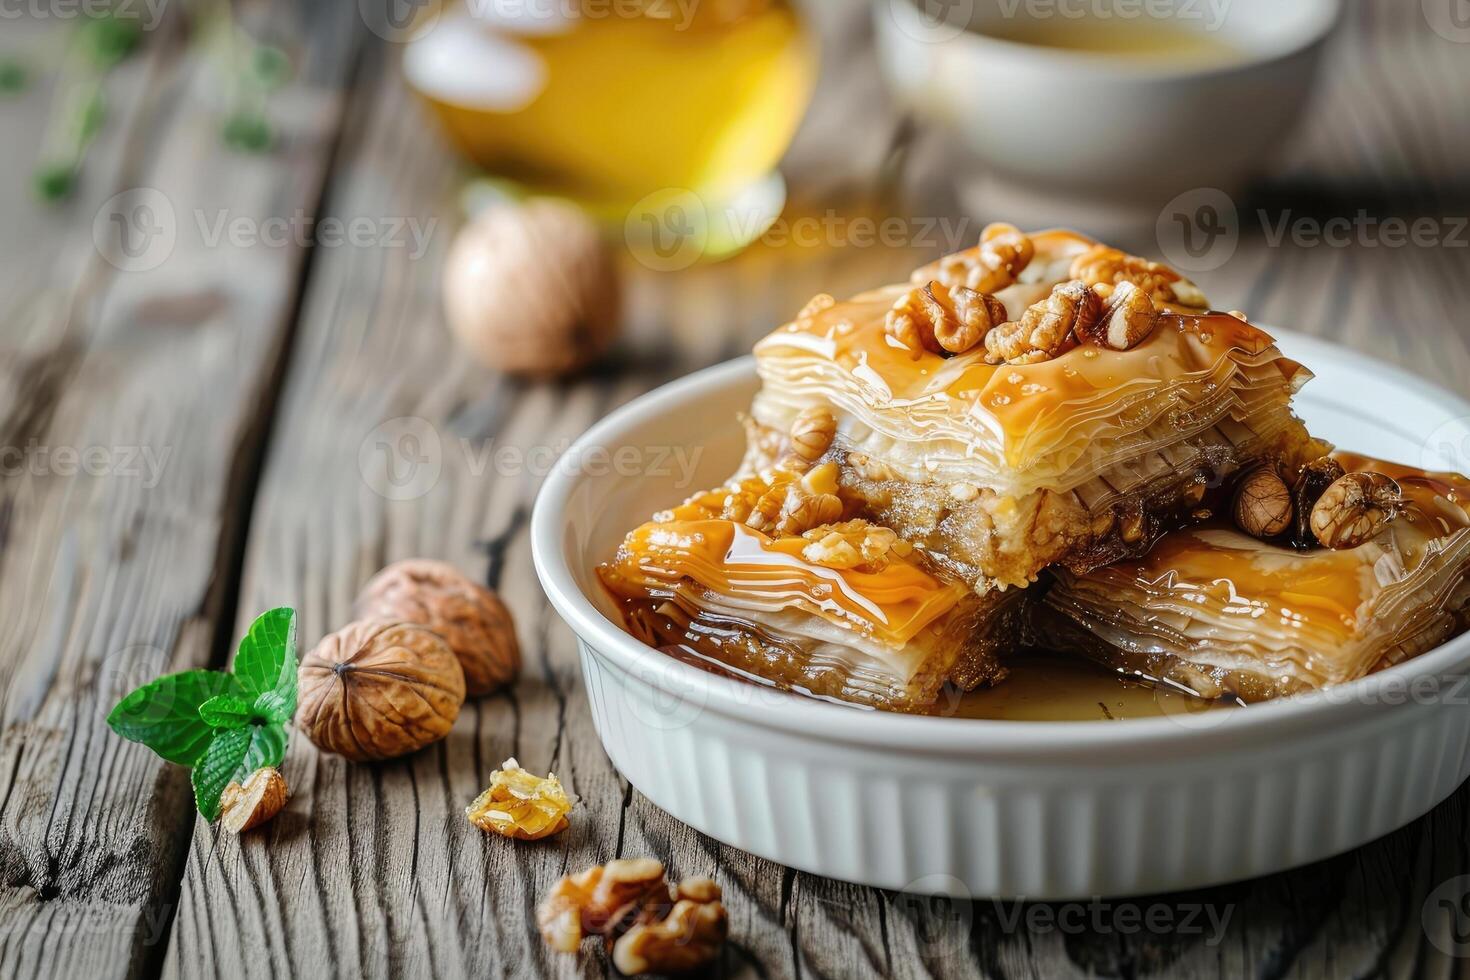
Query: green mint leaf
{"type": "Point", "coordinates": [276, 706]}
{"type": "Point", "coordinates": [54, 181]}
{"type": "Point", "coordinates": [164, 714]}
{"type": "Point", "coordinates": [266, 660]}
{"type": "Point", "coordinates": [232, 756]}
{"type": "Point", "coordinates": [248, 132]}
{"type": "Point", "coordinates": [269, 66]}
{"type": "Point", "coordinates": [108, 39]}
{"type": "Point", "coordinates": [13, 77]}
{"type": "Point", "coordinates": [226, 711]}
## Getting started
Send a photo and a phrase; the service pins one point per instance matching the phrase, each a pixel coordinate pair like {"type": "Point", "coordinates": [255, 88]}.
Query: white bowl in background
{"type": "Point", "coordinates": [1036, 810]}
{"type": "Point", "coordinates": [1067, 135]}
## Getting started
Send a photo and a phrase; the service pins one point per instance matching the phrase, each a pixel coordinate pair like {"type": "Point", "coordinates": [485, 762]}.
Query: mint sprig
{"type": "Point", "coordinates": [224, 725]}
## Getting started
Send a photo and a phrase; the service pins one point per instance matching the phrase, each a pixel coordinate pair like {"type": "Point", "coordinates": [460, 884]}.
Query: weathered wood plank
{"type": "Point", "coordinates": [119, 565]}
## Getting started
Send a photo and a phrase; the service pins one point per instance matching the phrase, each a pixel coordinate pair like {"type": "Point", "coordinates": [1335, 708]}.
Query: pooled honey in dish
{"type": "Point", "coordinates": [1052, 687]}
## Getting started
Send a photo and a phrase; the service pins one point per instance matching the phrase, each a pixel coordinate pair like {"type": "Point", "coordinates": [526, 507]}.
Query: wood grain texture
{"type": "Point", "coordinates": [118, 562]}
{"type": "Point", "coordinates": [372, 869]}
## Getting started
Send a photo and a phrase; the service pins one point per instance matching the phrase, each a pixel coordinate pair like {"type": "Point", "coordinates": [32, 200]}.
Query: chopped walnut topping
{"type": "Point", "coordinates": [1004, 251]}
{"type": "Point", "coordinates": [1105, 267]}
{"type": "Point", "coordinates": [856, 544]}
{"type": "Point", "coordinates": [1311, 484]}
{"type": "Point", "coordinates": [1048, 328]}
{"type": "Point", "coordinates": [1356, 509]}
{"type": "Point", "coordinates": [1127, 321]}
{"type": "Point", "coordinates": [943, 319]}
{"type": "Point", "coordinates": [812, 433]}
{"type": "Point", "coordinates": [521, 805]}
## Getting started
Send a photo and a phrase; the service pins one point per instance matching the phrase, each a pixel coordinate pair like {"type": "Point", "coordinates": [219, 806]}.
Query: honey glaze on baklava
{"type": "Point", "coordinates": [1072, 415]}
{"type": "Point", "coordinates": [1042, 444]}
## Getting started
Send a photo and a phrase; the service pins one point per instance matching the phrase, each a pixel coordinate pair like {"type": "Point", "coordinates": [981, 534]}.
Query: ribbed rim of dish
{"type": "Point", "coordinates": [815, 718]}
{"type": "Point", "coordinates": [1317, 31]}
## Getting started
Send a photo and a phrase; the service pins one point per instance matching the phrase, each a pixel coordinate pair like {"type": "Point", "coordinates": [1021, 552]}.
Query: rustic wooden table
{"type": "Point", "coordinates": [182, 443]}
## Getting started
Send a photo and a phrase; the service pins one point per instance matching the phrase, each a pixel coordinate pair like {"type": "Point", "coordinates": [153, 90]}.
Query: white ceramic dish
{"type": "Point", "coordinates": [1075, 137]}
{"type": "Point", "coordinates": [1001, 808]}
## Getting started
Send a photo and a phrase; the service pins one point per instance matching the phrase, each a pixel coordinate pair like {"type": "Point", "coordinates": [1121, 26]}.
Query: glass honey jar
{"type": "Point", "coordinates": [616, 103]}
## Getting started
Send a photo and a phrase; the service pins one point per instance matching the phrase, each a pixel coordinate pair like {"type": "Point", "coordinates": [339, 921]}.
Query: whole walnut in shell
{"type": "Point", "coordinates": [469, 616]}
{"type": "Point", "coordinates": [532, 289]}
{"type": "Point", "coordinates": [377, 690]}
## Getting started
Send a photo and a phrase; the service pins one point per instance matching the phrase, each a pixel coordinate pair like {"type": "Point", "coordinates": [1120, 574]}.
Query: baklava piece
{"type": "Point", "coordinates": [1039, 399]}
{"type": "Point", "coordinates": [1367, 571]}
{"type": "Point", "coordinates": [768, 580]}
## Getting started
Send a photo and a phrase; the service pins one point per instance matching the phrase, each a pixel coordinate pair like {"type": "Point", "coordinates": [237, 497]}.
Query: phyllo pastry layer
{"type": "Point", "coordinates": [1221, 613]}
{"type": "Point", "coordinates": [1092, 412]}
{"type": "Point", "coordinates": [844, 610]}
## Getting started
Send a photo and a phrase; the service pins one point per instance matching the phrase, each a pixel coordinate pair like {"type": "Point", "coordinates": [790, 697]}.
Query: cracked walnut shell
{"type": "Point", "coordinates": [1356, 509]}
{"type": "Point", "coordinates": [942, 319]}
{"type": "Point", "coordinates": [1263, 507]}
{"type": "Point", "coordinates": [521, 805]}
{"type": "Point", "coordinates": [377, 690]}
{"type": "Point", "coordinates": [476, 624]}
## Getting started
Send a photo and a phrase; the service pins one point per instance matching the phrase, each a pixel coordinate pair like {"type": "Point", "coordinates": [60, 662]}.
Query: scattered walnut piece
{"type": "Point", "coordinates": [521, 805]}
{"type": "Point", "coordinates": [943, 319]}
{"type": "Point", "coordinates": [245, 807]}
{"type": "Point", "coordinates": [1048, 328]}
{"type": "Point", "coordinates": [470, 617]}
{"type": "Point", "coordinates": [1356, 509]}
{"type": "Point", "coordinates": [1309, 487]}
{"type": "Point", "coordinates": [1127, 321]}
{"type": "Point", "coordinates": [648, 928]}
{"type": "Point", "coordinates": [1106, 268]}
{"type": "Point", "coordinates": [1263, 507]}
{"type": "Point", "coordinates": [812, 432]}
{"type": "Point", "coordinates": [857, 544]}
{"type": "Point", "coordinates": [689, 936]}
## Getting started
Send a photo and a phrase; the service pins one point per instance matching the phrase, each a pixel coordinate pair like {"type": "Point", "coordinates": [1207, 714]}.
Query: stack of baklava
{"type": "Point", "coordinates": [1043, 441]}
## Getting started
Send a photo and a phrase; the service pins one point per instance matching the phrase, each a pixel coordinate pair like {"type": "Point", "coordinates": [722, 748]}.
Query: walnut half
{"type": "Point", "coordinates": [1048, 328]}
{"type": "Point", "coordinates": [1356, 509]}
{"type": "Point", "coordinates": [942, 319]}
